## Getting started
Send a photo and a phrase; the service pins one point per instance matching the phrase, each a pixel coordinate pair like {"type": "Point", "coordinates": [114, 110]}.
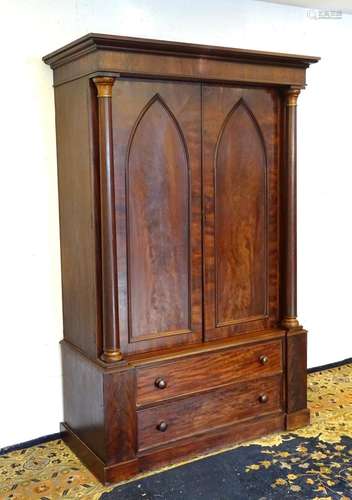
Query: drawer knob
{"type": "Point", "coordinates": [162, 426]}
{"type": "Point", "coordinates": [160, 383]}
{"type": "Point", "coordinates": [263, 398]}
{"type": "Point", "coordinates": [263, 359]}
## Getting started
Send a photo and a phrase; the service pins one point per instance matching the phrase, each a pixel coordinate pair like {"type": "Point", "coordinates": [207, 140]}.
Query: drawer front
{"type": "Point", "coordinates": [206, 371]}
{"type": "Point", "coordinates": [195, 414]}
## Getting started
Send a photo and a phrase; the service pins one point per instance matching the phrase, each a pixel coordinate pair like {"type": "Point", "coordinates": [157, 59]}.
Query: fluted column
{"type": "Point", "coordinates": [289, 212]}
{"type": "Point", "coordinates": [111, 352]}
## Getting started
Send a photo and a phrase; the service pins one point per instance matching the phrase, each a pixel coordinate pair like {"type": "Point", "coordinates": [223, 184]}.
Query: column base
{"type": "Point", "coordinates": [111, 356]}
{"type": "Point", "coordinates": [290, 323]}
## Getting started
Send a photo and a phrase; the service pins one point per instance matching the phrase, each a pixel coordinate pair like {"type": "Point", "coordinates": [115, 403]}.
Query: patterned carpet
{"type": "Point", "coordinates": [312, 463]}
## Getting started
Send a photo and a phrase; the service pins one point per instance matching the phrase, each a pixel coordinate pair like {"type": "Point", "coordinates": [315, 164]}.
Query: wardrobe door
{"type": "Point", "coordinates": [157, 152]}
{"type": "Point", "coordinates": [240, 161]}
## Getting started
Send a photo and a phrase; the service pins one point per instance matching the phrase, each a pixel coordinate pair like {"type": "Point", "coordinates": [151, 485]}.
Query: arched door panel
{"type": "Point", "coordinates": [240, 162]}
{"type": "Point", "coordinates": [157, 159]}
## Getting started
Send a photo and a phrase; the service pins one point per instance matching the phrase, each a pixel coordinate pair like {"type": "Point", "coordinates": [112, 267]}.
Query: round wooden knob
{"type": "Point", "coordinates": [263, 359]}
{"type": "Point", "coordinates": [162, 426]}
{"type": "Point", "coordinates": [263, 398]}
{"type": "Point", "coordinates": [160, 383]}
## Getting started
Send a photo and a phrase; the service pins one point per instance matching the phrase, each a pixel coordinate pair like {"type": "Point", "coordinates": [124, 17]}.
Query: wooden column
{"type": "Point", "coordinates": [296, 337]}
{"type": "Point", "coordinates": [111, 352]}
{"type": "Point", "coordinates": [289, 211]}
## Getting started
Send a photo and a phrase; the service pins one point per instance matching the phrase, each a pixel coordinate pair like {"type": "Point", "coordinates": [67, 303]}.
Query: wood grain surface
{"type": "Point", "coordinates": [205, 371]}
{"type": "Point", "coordinates": [197, 414]}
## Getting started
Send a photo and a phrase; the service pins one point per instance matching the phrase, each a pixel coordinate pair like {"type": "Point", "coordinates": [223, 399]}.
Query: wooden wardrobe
{"type": "Point", "coordinates": [177, 188]}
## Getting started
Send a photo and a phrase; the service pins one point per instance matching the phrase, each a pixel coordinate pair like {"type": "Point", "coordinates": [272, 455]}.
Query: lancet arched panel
{"type": "Point", "coordinates": [240, 218]}
{"type": "Point", "coordinates": [158, 225]}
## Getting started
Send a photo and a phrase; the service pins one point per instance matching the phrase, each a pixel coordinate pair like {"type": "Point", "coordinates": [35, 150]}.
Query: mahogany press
{"type": "Point", "coordinates": [177, 190]}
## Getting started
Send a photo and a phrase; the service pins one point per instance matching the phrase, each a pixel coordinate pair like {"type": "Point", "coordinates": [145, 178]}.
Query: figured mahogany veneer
{"type": "Point", "coordinates": [177, 190]}
{"type": "Point", "coordinates": [211, 410]}
{"type": "Point", "coordinates": [196, 374]}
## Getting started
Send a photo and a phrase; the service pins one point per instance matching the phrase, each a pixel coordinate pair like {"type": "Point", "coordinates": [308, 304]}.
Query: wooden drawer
{"type": "Point", "coordinates": [209, 410]}
{"type": "Point", "coordinates": [206, 371]}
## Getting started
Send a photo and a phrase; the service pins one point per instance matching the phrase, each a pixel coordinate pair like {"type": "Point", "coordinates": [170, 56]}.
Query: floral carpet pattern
{"type": "Point", "coordinates": [311, 468]}
{"type": "Point", "coordinates": [311, 463]}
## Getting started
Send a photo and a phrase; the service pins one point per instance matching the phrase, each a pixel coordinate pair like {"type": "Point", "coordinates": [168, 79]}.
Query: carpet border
{"type": "Point", "coordinates": [329, 366]}
{"type": "Point", "coordinates": [28, 444]}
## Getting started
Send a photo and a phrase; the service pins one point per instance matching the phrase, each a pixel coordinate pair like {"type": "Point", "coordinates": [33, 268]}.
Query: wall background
{"type": "Point", "coordinates": [30, 319]}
